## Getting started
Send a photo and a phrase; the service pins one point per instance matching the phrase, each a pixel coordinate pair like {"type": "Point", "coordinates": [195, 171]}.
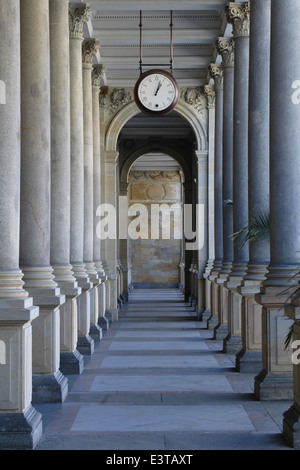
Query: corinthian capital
{"type": "Point", "coordinates": [225, 47]}
{"type": "Point", "coordinates": [216, 73]}
{"type": "Point", "coordinates": [79, 14]}
{"type": "Point", "coordinates": [97, 74]}
{"type": "Point", "coordinates": [211, 95]}
{"type": "Point", "coordinates": [238, 14]}
{"type": "Point", "coordinates": [89, 50]}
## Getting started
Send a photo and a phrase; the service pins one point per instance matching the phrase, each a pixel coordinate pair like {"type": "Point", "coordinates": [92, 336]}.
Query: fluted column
{"type": "Point", "coordinates": [20, 423]}
{"type": "Point", "coordinates": [78, 15]}
{"type": "Point", "coordinates": [250, 357]}
{"type": "Point", "coordinates": [123, 227]}
{"type": "Point", "coordinates": [97, 75]}
{"type": "Point", "coordinates": [89, 50]}
{"type": "Point", "coordinates": [216, 72]}
{"type": "Point", "coordinates": [48, 382]}
{"type": "Point", "coordinates": [225, 47]}
{"type": "Point", "coordinates": [71, 361]}
{"type": "Point", "coordinates": [275, 379]}
{"type": "Point", "coordinates": [211, 98]}
{"type": "Point", "coordinates": [238, 15]}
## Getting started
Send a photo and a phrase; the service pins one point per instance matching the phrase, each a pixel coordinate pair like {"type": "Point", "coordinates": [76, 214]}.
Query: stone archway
{"type": "Point", "coordinates": [186, 110]}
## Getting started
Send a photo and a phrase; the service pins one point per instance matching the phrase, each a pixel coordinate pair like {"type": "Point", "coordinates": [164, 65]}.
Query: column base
{"type": "Point", "coordinates": [103, 322]}
{"type": "Point", "coordinates": [200, 312]}
{"type": "Point", "coordinates": [206, 315]}
{"type": "Point", "coordinates": [95, 333]}
{"type": "Point", "coordinates": [212, 323]}
{"type": "Point", "coordinates": [291, 426]}
{"type": "Point", "coordinates": [249, 361]}
{"type": "Point", "coordinates": [49, 388]}
{"type": "Point", "coordinates": [85, 345]}
{"type": "Point", "coordinates": [71, 363]}
{"type": "Point", "coordinates": [112, 314]}
{"type": "Point", "coordinates": [221, 332]}
{"type": "Point", "coordinates": [232, 344]}
{"type": "Point", "coordinates": [273, 386]}
{"type": "Point", "coordinates": [20, 431]}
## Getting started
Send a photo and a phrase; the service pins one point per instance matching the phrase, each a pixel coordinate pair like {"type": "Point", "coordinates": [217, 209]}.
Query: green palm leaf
{"type": "Point", "coordinates": [257, 229]}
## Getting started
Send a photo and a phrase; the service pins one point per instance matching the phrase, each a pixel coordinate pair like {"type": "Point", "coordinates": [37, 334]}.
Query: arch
{"type": "Point", "coordinates": [147, 149]}
{"type": "Point", "coordinates": [131, 109]}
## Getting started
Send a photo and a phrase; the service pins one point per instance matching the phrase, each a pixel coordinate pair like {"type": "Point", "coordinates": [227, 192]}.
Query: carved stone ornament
{"type": "Point", "coordinates": [97, 74]}
{"type": "Point", "coordinates": [211, 95]}
{"type": "Point", "coordinates": [120, 97]}
{"type": "Point", "coordinates": [78, 15]}
{"type": "Point", "coordinates": [104, 91]}
{"type": "Point", "coordinates": [216, 73]}
{"type": "Point", "coordinates": [225, 47]}
{"type": "Point", "coordinates": [195, 97]}
{"type": "Point", "coordinates": [89, 50]}
{"type": "Point", "coordinates": [171, 175]}
{"type": "Point", "coordinates": [238, 14]}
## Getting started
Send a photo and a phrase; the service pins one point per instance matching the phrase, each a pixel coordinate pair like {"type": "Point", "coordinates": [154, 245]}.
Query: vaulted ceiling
{"type": "Point", "coordinates": [196, 26]}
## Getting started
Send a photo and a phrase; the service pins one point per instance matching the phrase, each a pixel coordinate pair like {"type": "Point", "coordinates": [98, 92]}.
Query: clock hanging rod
{"type": "Point", "coordinates": [171, 63]}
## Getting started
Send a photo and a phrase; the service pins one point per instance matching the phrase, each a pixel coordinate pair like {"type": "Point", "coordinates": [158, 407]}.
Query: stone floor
{"type": "Point", "coordinates": [158, 381]}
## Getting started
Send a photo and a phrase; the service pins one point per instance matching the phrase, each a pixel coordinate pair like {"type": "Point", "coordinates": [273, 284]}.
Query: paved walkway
{"type": "Point", "coordinates": [158, 381]}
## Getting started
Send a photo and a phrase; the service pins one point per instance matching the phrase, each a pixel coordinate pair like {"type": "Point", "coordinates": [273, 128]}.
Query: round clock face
{"type": "Point", "coordinates": [156, 92]}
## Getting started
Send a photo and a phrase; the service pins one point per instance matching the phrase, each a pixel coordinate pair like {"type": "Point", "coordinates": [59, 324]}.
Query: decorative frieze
{"type": "Point", "coordinates": [119, 97]}
{"type": "Point", "coordinates": [238, 14]}
{"type": "Point", "coordinates": [211, 95]}
{"type": "Point", "coordinates": [225, 47]}
{"type": "Point", "coordinates": [79, 13]}
{"type": "Point", "coordinates": [154, 175]}
{"type": "Point", "coordinates": [195, 97]}
{"type": "Point", "coordinates": [89, 50]}
{"type": "Point", "coordinates": [216, 73]}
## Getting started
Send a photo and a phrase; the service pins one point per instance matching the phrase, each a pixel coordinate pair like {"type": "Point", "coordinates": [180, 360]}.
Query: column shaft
{"type": "Point", "coordinates": [48, 382]}
{"type": "Point", "coordinates": [20, 424]}
{"type": "Point", "coordinates": [275, 379]}
{"type": "Point", "coordinates": [70, 360]}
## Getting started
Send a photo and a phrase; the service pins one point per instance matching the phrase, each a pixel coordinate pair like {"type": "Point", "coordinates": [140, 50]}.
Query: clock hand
{"type": "Point", "coordinates": [158, 87]}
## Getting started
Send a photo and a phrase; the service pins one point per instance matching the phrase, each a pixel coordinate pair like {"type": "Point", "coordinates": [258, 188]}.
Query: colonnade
{"type": "Point", "coordinates": [60, 286]}
{"type": "Point", "coordinates": [251, 300]}
{"type": "Point", "coordinates": [58, 283]}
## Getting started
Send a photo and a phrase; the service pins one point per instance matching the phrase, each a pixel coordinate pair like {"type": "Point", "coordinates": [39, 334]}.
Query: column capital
{"type": "Point", "coordinates": [202, 156]}
{"type": "Point", "coordinates": [225, 47]}
{"type": "Point", "coordinates": [79, 13]}
{"type": "Point", "coordinates": [211, 95]}
{"type": "Point", "coordinates": [216, 73]}
{"type": "Point", "coordinates": [238, 14]}
{"type": "Point", "coordinates": [89, 50]}
{"type": "Point", "coordinates": [111, 156]}
{"type": "Point", "coordinates": [97, 75]}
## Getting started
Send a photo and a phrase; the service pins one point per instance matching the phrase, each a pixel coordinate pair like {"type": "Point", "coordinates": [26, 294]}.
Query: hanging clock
{"type": "Point", "coordinates": [156, 92]}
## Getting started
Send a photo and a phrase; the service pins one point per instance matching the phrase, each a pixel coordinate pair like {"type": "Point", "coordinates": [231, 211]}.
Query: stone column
{"type": "Point", "coordinates": [78, 15]}
{"type": "Point", "coordinates": [123, 227]}
{"type": "Point", "coordinates": [188, 253]}
{"type": "Point", "coordinates": [20, 423]}
{"type": "Point", "coordinates": [216, 72]}
{"type": "Point", "coordinates": [89, 50]}
{"type": "Point", "coordinates": [275, 380]}
{"type": "Point", "coordinates": [202, 231]}
{"type": "Point", "coordinates": [211, 95]}
{"type": "Point", "coordinates": [225, 47]}
{"type": "Point", "coordinates": [97, 75]}
{"type": "Point", "coordinates": [239, 15]}
{"type": "Point", "coordinates": [49, 385]}
{"type": "Point", "coordinates": [111, 243]}
{"type": "Point", "coordinates": [250, 358]}
{"type": "Point", "coordinates": [71, 361]}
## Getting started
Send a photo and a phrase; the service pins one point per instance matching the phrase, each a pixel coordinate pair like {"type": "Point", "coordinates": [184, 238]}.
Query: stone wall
{"type": "Point", "coordinates": [155, 254]}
